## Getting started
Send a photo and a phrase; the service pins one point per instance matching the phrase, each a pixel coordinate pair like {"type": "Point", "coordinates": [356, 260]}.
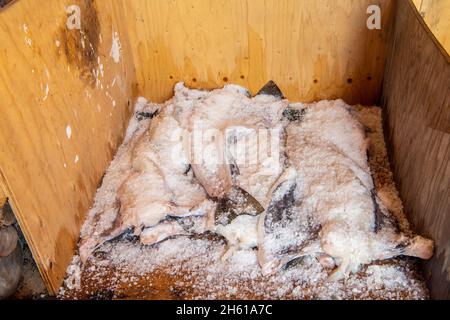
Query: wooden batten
{"type": "Point", "coordinates": [416, 102]}
{"type": "Point", "coordinates": [312, 49]}
{"type": "Point", "coordinates": [64, 104]}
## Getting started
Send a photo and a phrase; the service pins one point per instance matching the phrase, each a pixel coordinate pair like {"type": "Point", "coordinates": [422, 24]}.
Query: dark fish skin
{"type": "Point", "coordinates": [129, 236]}
{"type": "Point", "coordinates": [402, 246]}
{"type": "Point", "coordinates": [280, 214]}
{"type": "Point", "coordinates": [145, 115]}
{"type": "Point", "coordinates": [188, 168]}
{"type": "Point", "coordinates": [234, 169]}
{"type": "Point", "coordinates": [228, 209]}
{"type": "Point", "coordinates": [278, 211]}
{"type": "Point", "coordinates": [379, 221]}
{"type": "Point", "coordinates": [382, 219]}
{"type": "Point", "coordinates": [271, 89]}
{"type": "Point", "coordinates": [294, 262]}
{"type": "Point", "coordinates": [294, 115]}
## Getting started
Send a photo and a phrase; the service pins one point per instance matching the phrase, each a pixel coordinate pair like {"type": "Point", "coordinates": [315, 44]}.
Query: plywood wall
{"type": "Point", "coordinates": [64, 104]}
{"type": "Point", "coordinates": [416, 101]}
{"type": "Point", "coordinates": [312, 49]}
{"type": "Point", "coordinates": [436, 14]}
{"type": "Point", "coordinates": [3, 198]}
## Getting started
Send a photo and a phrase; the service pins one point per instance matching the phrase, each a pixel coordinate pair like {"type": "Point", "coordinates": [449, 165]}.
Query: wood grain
{"type": "Point", "coordinates": [416, 101]}
{"type": "Point", "coordinates": [64, 106]}
{"type": "Point", "coordinates": [3, 198]}
{"type": "Point", "coordinates": [436, 14]}
{"type": "Point", "coordinates": [312, 49]}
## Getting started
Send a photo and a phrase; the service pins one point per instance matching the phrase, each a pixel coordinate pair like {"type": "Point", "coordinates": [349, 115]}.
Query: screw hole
{"type": "Point", "coordinates": [349, 80]}
{"type": "Point", "coordinates": [194, 80]}
{"type": "Point", "coordinates": [369, 78]}
{"type": "Point", "coordinates": [242, 77]}
{"type": "Point", "coordinates": [316, 81]}
{"type": "Point", "coordinates": [225, 79]}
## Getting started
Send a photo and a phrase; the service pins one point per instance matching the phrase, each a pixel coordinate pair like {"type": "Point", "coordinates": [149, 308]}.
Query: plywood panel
{"type": "Point", "coordinates": [3, 198]}
{"type": "Point", "coordinates": [312, 49]}
{"type": "Point", "coordinates": [436, 14]}
{"type": "Point", "coordinates": [64, 103]}
{"type": "Point", "coordinates": [416, 99]}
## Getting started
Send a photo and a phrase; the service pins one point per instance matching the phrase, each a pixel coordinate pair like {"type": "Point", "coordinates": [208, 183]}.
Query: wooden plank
{"type": "Point", "coordinates": [436, 14]}
{"type": "Point", "coordinates": [3, 197]}
{"type": "Point", "coordinates": [64, 106]}
{"type": "Point", "coordinates": [416, 100]}
{"type": "Point", "coordinates": [312, 49]}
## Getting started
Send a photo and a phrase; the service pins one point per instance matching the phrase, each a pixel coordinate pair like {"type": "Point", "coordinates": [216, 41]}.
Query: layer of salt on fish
{"type": "Point", "coordinates": [313, 214]}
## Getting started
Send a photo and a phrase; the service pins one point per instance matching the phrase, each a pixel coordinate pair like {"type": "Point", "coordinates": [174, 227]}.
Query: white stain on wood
{"type": "Point", "coordinates": [47, 89]}
{"type": "Point", "coordinates": [115, 48]}
{"type": "Point", "coordinates": [69, 132]}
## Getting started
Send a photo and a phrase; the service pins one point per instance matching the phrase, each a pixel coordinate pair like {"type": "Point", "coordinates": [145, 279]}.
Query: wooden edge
{"type": "Point", "coordinates": [419, 18]}
{"type": "Point", "coordinates": [3, 195]}
{"type": "Point", "coordinates": [36, 255]}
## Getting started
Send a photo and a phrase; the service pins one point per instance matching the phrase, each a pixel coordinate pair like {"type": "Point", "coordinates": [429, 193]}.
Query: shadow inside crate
{"type": "Point", "coordinates": [30, 285]}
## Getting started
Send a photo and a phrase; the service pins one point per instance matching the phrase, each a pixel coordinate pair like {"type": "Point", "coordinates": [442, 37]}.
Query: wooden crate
{"type": "Point", "coordinates": [65, 98]}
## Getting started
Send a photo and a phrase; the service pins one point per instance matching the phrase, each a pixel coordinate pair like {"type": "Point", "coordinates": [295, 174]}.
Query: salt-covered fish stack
{"type": "Point", "coordinates": [281, 180]}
